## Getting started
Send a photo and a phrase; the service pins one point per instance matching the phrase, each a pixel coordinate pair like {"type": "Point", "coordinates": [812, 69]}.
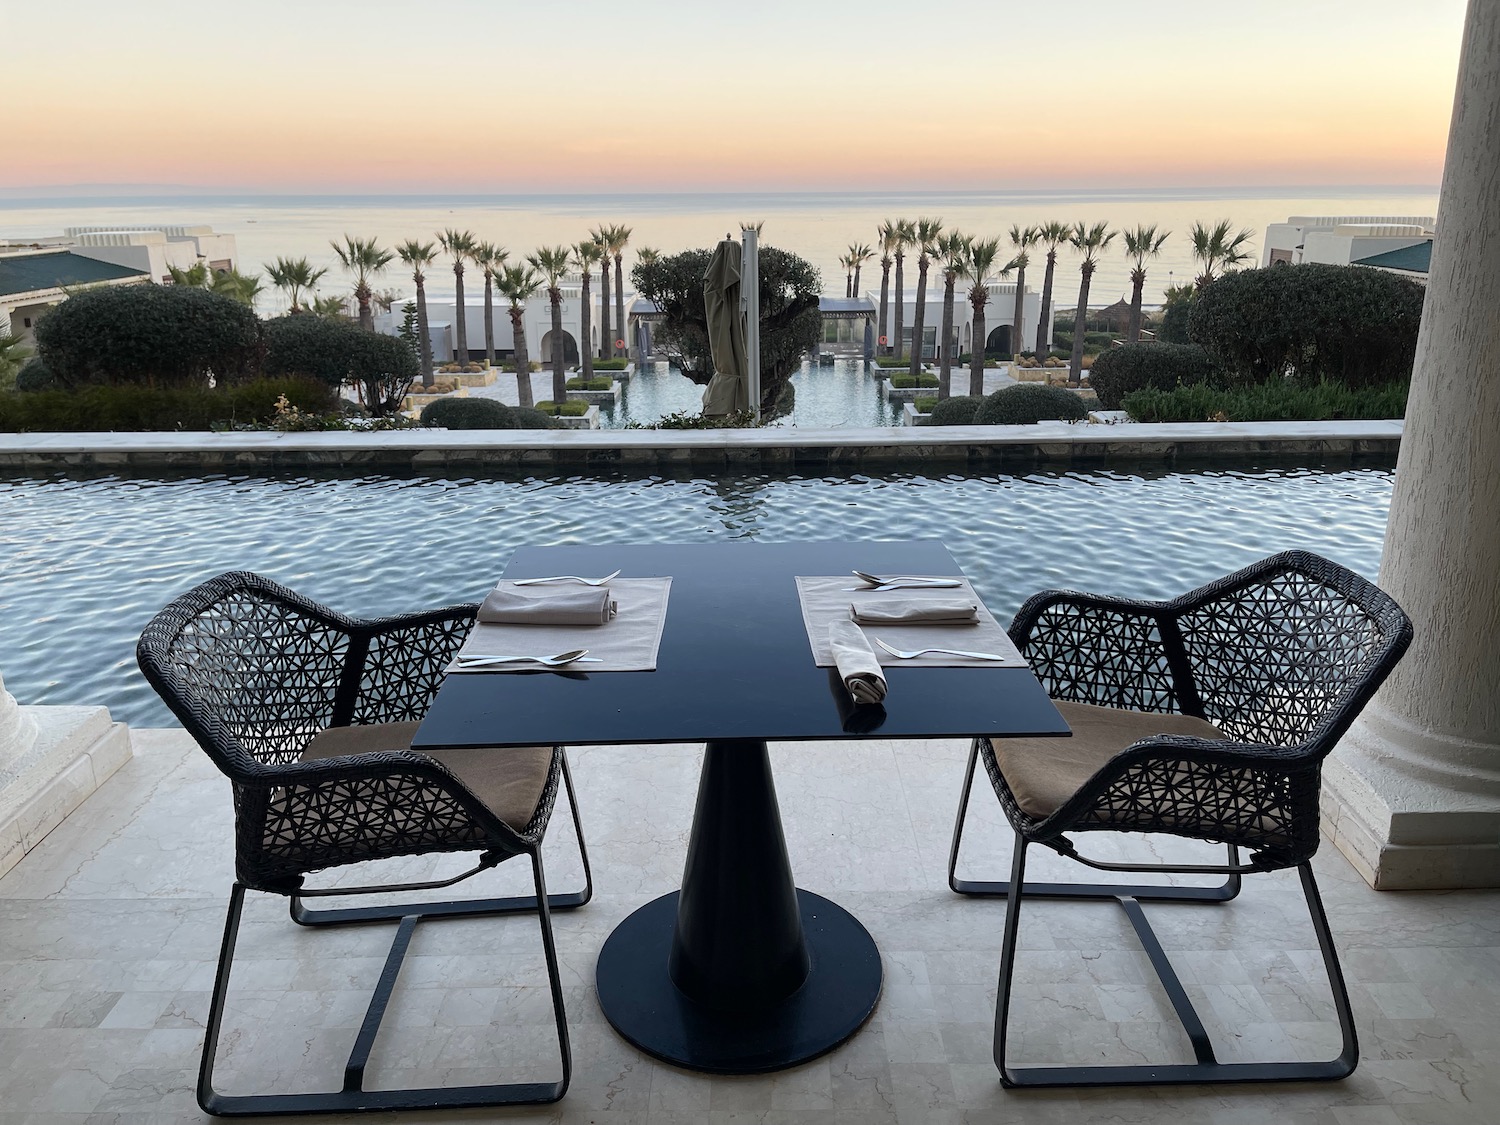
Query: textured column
{"type": "Point", "coordinates": [17, 732]}
{"type": "Point", "coordinates": [1414, 790]}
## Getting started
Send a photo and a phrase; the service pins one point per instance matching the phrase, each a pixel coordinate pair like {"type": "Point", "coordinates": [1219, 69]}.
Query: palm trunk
{"type": "Point", "coordinates": [919, 317]}
{"type": "Point", "coordinates": [523, 361]}
{"type": "Point", "coordinates": [848, 285]}
{"type": "Point", "coordinates": [559, 379]}
{"type": "Point", "coordinates": [606, 339]}
{"type": "Point", "coordinates": [620, 302]}
{"type": "Point", "coordinates": [586, 330]}
{"type": "Point", "coordinates": [1017, 325]}
{"type": "Point", "coordinates": [366, 316]}
{"type": "Point", "coordinates": [978, 299]}
{"type": "Point", "coordinates": [489, 317]}
{"type": "Point", "coordinates": [898, 341]}
{"type": "Point", "coordinates": [423, 333]}
{"type": "Point", "coordinates": [945, 370]}
{"type": "Point", "coordinates": [1044, 325]}
{"type": "Point", "coordinates": [461, 338]}
{"type": "Point", "coordinates": [1138, 285]}
{"type": "Point", "coordinates": [1075, 365]}
{"type": "Point", "coordinates": [885, 305]}
{"type": "Point", "coordinates": [854, 291]}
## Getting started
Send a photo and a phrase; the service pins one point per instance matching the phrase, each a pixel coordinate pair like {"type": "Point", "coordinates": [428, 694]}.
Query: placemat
{"type": "Point", "coordinates": [826, 598]}
{"type": "Point", "coordinates": [628, 643]}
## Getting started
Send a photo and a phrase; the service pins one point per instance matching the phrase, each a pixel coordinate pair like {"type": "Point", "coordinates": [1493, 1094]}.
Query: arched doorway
{"type": "Point", "coordinates": [570, 349]}
{"type": "Point", "coordinates": [998, 341]}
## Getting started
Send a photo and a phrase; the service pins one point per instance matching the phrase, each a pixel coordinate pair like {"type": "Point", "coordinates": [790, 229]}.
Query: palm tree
{"type": "Point", "coordinates": [419, 255]}
{"type": "Point", "coordinates": [1051, 235]}
{"type": "Point", "coordinates": [847, 261]}
{"type": "Point", "coordinates": [519, 284]}
{"type": "Point", "coordinates": [1022, 239]}
{"type": "Point", "coordinates": [886, 232]}
{"type": "Point", "coordinates": [364, 259]}
{"type": "Point", "coordinates": [1090, 242]}
{"type": "Point", "coordinates": [490, 258]}
{"type": "Point", "coordinates": [1216, 250]}
{"type": "Point", "coordinates": [906, 235]}
{"type": "Point", "coordinates": [460, 244]}
{"type": "Point", "coordinates": [553, 262]}
{"type": "Point", "coordinates": [647, 254]}
{"type": "Point", "coordinates": [329, 307]}
{"type": "Point", "coordinates": [859, 254]}
{"type": "Point", "coordinates": [294, 275]}
{"type": "Point", "coordinates": [194, 277]}
{"type": "Point", "coordinates": [977, 267]}
{"type": "Point", "coordinates": [237, 286]}
{"type": "Point", "coordinates": [1141, 244]}
{"type": "Point", "coordinates": [952, 251]}
{"type": "Point", "coordinates": [926, 240]}
{"type": "Point", "coordinates": [619, 238]}
{"type": "Point", "coordinates": [13, 355]}
{"type": "Point", "coordinates": [600, 235]}
{"type": "Point", "coordinates": [585, 255]}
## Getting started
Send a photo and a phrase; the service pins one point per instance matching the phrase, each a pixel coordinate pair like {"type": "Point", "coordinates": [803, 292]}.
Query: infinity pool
{"type": "Point", "coordinates": [84, 562]}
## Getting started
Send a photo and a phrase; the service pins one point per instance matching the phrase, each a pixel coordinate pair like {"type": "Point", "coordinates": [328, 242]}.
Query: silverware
{"type": "Point", "coordinates": [912, 654]}
{"type": "Point", "coordinates": [566, 578]}
{"type": "Point", "coordinates": [903, 581]}
{"type": "Point", "coordinates": [573, 656]}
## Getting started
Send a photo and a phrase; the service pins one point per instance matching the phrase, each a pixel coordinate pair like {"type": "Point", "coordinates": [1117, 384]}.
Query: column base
{"type": "Point", "coordinates": [76, 751]}
{"type": "Point", "coordinates": [1410, 809]}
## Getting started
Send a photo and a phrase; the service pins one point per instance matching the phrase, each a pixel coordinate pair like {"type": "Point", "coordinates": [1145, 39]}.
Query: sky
{"type": "Point", "coordinates": [698, 95]}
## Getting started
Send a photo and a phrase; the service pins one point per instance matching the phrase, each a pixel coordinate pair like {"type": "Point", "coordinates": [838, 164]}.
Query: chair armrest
{"type": "Point", "coordinates": [1087, 648]}
{"type": "Point", "coordinates": [402, 661]}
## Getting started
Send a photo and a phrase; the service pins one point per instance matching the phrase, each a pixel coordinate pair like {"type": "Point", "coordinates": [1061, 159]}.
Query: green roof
{"type": "Point", "coordinates": [1410, 259]}
{"type": "Point", "coordinates": [24, 273]}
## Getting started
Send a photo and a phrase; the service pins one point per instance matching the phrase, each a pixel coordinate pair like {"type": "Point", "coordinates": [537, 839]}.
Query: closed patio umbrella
{"type": "Point", "coordinates": [728, 391]}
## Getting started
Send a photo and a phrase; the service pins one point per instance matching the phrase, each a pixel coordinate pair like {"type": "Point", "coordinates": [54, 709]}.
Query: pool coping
{"type": "Point", "coordinates": [418, 449]}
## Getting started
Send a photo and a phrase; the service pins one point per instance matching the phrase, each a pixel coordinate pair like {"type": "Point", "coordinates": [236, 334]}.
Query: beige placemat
{"type": "Point", "coordinates": [826, 598]}
{"type": "Point", "coordinates": [629, 643]}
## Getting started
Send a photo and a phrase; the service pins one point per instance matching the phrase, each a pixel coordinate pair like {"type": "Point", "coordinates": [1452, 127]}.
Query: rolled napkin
{"type": "Point", "coordinates": [507, 605]}
{"type": "Point", "coordinates": [856, 662]}
{"type": "Point", "coordinates": [915, 611]}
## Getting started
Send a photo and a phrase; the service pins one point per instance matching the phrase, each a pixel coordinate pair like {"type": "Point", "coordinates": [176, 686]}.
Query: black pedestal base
{"type": "Point", "coordinates": [641, 1002]}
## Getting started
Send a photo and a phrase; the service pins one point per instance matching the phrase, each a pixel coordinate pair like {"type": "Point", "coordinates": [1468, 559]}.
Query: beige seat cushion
{"type": "Point", "coordinates": [1044, 772]}
{"type": "Point", "coordinates": [509, 780]}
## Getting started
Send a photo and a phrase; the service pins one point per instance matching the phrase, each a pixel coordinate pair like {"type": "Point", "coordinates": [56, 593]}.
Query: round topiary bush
{"type": "Point", "coordinates": [529, 418]}
{"type": "Point", "coordinates": [1030, 402]}
{"type": "Point", "coordinates": [1133, 367]}
{"type": "Point", "coordinates": [957, 411]}
{"type": "Point", "coordinates": [468, 414]}
{"type": "Point", "coordinates": [34, 376]}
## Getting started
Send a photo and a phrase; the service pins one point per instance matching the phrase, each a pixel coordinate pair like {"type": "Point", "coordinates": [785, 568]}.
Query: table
{"type": "Point", "coordinates": [739, 972]}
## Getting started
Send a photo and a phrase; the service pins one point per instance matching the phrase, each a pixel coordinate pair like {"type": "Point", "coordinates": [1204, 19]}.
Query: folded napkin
{"type": "Point", "coordinates": [856, 662]}
{"type": "Point", "coordinates": [915, 611]}
{"type": "Point", "coordinates": [507, 605]}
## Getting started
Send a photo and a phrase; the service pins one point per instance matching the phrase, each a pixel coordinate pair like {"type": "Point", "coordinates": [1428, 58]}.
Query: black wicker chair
{"type": "Point", "coordinates": [1207, 717]}
{"type": "Point", "coordinates": [310, 713]}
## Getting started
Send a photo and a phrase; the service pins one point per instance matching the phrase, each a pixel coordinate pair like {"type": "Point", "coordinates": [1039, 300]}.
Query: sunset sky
{"type": "Point", "coordinates": [680, 95]}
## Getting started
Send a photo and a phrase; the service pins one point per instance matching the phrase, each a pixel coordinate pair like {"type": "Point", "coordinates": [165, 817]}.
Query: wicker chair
{"type": "Point", "coordinates": [1206, 717]}
{"type": "Point", "coordinates": [310, 714]}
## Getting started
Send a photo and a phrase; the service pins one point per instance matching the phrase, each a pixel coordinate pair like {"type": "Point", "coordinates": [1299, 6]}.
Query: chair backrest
{"type": "Point", "coordinates": [251, 669]}
{"type": "Point", "coordinates": [1287, 651]}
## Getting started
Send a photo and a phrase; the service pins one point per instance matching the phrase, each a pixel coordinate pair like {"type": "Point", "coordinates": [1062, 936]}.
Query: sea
{"type": "Point", "coordinates": [820, 226]}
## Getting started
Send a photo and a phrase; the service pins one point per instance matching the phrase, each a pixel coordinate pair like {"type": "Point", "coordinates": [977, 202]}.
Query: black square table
{"type": "Point", "coordinates": [739, 972]}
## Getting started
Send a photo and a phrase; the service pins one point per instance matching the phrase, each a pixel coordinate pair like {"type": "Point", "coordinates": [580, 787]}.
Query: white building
{"type": "Point", "coordinates": [999, 318]}
{"type": "Point", "coordinates": [152, 249]}
{"type": "Point", "coordinates": [536, 320]}
{"type": "Point", "coordinates": [1341, 239]}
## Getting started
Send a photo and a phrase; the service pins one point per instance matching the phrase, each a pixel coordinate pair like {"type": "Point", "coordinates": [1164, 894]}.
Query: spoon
{"type": "Point", "coordinates": [572, 656]}
{"type": "Point", "coordinates": [566, 578]}
{"type": "Point", "coordinates": [912, 654]}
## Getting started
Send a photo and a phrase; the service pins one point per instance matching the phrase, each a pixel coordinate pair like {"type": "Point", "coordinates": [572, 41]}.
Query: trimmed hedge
{"type": "Point", "coordinates": [130, 409]}
{"type": "Point", "coordinates": [1268, 402]}
{"type": "Point", "coordinates": [618, 363]}
{"type": "Point", "coordinates": [525, 418]}
{"type": "Point", "coordinates": [1132, 367]}
{"type": "Point", "coordinates": [34, 376]}
{"type": "Point", "coordinates": [339, 352]}
{"type": "Point", "coordinates": [956, 411]}
{"type": "Point", "coordinates": [579, 383]}
{"type": "Point", "coordinates": [905, 382]}
{"type": "Point", "coordinates": [1026, 403]}
{"type": "Point", "coordinates": [574, 409]}
{"type": "Point", "coordinates": [468, 414]}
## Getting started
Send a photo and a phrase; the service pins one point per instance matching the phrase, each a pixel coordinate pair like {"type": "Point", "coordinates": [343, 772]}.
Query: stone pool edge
{"type": "Point", "coordinates": [973, 445]}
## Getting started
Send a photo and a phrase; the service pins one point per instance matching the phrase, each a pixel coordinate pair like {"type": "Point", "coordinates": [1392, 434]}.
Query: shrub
{"type": "Point", "coordinates": [34, 376]}
{"type": "Point", "coordinates": [150, 336]}
{"type": "Point", "coordinates": [890, 361]}
{"type": "Point", "coordinates": [102, 409]}
{"type": "Point", "coordinates": [1131, 367]}
{"type": "Point", "coordinates": [382, 367]}
{"type": "Point", "coordinates": [924, 404]}
{"type": "Point", "coordinates": [956, 411]}
{"type": "Point", "coordinates": [468, 414]}
{"type": "Point", "coordinates": [618, 363]}
{"type": "Point", "coordinates": [579, 383]}
{"type": "Point", "coordinates": [906, 382]}
{"type": "Point", "coordinates": [1347, 323]}
{"type": "Point", "coordinates": [1025, 403]}
{"type": "Point", "coordinates": [526, 418]}
{"type": "Point", "coordinates": [569, 409]}
{"type": "Point", "coordinates": [1267, 402]}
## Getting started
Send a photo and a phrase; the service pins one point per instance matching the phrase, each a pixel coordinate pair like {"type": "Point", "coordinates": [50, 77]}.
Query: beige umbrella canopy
{"type": "Point", "coordinates": [728, 392]}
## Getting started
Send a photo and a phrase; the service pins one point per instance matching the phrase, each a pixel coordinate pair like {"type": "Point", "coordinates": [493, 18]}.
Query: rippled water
{"type": "Point", "coordinates": [832, 396]}
{"type": "Point", "coordinates": [84, 563]}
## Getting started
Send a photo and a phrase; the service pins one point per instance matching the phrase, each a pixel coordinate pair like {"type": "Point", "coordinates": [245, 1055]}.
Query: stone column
{"type": "Point", "coordinates": [17, 732]}
{"type": "Point", "coordinates": [1413, 793]}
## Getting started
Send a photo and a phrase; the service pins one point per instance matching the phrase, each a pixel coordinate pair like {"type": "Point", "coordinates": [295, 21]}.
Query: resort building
{"type": "Point", "coordinates": [1342, 240]}
{"type": "Point", "coordinates": [999, 318]}
{"type": "Point", "coordinates": [442, 322]}
{"type": "Point", "coordinates": [33, 281]}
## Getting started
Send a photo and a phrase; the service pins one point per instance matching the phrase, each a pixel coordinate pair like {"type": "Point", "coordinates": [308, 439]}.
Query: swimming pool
{"type": "Point", "coordinates": [86, 560]}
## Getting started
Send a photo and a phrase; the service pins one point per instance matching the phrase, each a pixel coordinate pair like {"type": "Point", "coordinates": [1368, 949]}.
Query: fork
{"type": "Point", "coordinates": [572, 656]}
{"type": "Point", "coordinates": [913, 580]}
{"type": "Point", "coordinates": [566, 578]}
{"type": "Point", "coordinates": [912, 654]}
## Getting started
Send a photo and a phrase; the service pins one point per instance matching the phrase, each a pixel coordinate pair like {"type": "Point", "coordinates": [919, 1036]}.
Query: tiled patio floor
{"type": "Point", "coordinates": [109, 929]}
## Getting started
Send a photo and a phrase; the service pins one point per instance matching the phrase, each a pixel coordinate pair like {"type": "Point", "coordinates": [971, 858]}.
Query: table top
{"type": "Point", "coordinates": [734, 662]}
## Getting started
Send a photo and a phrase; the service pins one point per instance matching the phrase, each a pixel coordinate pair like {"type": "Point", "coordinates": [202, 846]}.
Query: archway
{"type": "Point", "coordinates": [998, 341]}
{"type": "Point", "coordinates": [570, 349]}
